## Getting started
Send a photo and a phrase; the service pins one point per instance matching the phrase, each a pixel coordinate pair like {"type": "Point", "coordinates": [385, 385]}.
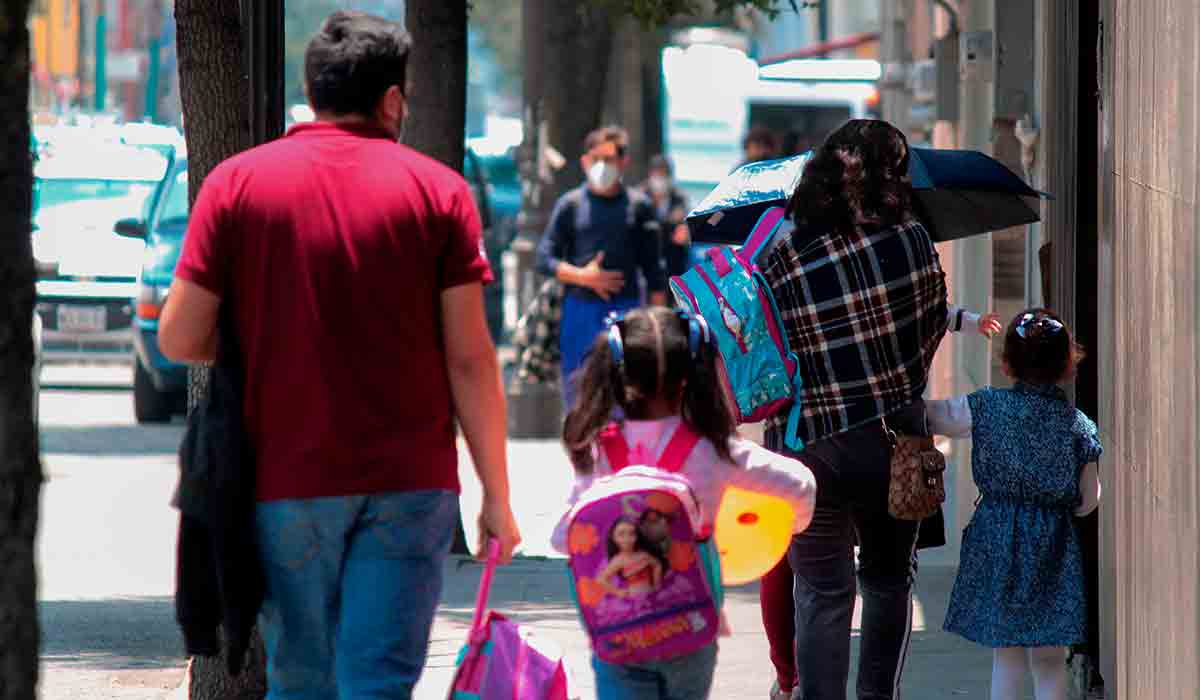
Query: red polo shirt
{"type": "Point", "coordinates": [336, 244]}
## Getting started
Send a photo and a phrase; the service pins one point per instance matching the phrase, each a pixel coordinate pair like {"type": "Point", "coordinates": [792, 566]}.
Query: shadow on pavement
{"type": "Point", "coordinates": [111, 634]}
{"type": "Point", "coordinates": [111, 440]}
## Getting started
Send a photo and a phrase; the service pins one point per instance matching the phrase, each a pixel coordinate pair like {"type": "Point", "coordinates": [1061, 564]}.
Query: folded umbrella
{"type": "Point", "coordinates": [959, 194]}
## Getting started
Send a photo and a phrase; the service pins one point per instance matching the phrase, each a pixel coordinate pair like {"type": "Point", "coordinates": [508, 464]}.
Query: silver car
{"type": "Point", "coordinates": [87, 272]}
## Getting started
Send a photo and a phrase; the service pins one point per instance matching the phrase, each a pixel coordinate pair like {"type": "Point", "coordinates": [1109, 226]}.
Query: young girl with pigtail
{"type": "Point", "coordinates": [657, 369]}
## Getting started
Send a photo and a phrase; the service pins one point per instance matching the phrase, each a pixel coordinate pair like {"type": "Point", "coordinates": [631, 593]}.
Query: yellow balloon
{"type": "Point", "coordinates": [752, 534]}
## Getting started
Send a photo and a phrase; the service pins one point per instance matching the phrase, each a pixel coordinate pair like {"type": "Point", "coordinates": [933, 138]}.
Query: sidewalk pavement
{"type": "Point", "coordinates": [534, 591]}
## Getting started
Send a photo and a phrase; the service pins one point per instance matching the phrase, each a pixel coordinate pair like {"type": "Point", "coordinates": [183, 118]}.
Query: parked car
{"type": "Point", "coordinates": [497, 190]}
{"type": "Point", "coordinates": [159, 384]}
{"type": "Point", "coordinates": [86, 274]}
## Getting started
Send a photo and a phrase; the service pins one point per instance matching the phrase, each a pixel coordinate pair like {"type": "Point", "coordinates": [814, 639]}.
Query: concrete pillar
{"type": "Point", "coordinates": [969, 275]}
{"type": "Point", "coordinates": [895, 99]}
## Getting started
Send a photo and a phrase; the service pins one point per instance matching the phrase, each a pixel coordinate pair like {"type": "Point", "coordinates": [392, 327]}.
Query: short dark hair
{"type": "Point", "coordinates": [762, 136]}
{"type": "Point", "coordinates": [353, 60]}
{"type": "Point", "coordinates": [660, 162]}
{"type": "Point", "coordinates": [607, 134]}
{"type": "Point", "coordinates": [1043, 351]}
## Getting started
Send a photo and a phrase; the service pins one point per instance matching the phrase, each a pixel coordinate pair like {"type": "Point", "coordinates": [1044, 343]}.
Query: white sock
{"type": "Point", "coordinates": [1049, 666]}
{"type": "Point", "coordinates": [1008, 673]}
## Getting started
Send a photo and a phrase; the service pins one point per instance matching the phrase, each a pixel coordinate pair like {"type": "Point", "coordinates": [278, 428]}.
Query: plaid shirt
{"type": "Point", "coordinates": [536, 337]}
{"type": "Point", "coordinates": [864, 314]}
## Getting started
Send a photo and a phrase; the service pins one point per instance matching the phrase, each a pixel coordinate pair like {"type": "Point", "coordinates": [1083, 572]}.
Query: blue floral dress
{"type": "Point", "coordinates": [1020, 577]}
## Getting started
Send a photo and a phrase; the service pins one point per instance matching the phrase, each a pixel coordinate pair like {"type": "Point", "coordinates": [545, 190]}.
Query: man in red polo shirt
{"type": "Point", "coordinates": [355, 269]}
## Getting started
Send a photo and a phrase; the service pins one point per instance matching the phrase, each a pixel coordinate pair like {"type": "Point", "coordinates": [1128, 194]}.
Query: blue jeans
{"type": "Point", "coordinates": [685, 678]}
{"type": "Point", "coordinates": [352, 585]}
{"type": "Point", "coordinates": [582, 320]}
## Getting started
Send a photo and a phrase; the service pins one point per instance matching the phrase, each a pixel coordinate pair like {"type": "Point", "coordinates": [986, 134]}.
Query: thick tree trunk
{"type": "Point", "coordinates": [578, 36]}
{"type": "Point", "coordinates": [216, 111]}
{"type": "Point", "coordinates": [437, 98]}
{"type": "Point", "coordinates": [20, 466]}
{"type": "Point", "coordinates": [437, 79]}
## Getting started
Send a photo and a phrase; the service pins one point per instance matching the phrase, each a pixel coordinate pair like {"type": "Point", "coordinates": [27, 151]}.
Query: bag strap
{"type": "Point", "coordinates": [485, 585]}
{"type": "Point", "coordinates": [673, 457]}
{"type": "Point", "coordinates": [676, 452]}
{"type": "Point", "coordinates": [616, 449]}
{"type": "Point", "coordinates": [761, 234]}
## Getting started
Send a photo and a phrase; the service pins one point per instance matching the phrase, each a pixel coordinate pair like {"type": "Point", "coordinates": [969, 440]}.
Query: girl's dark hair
{"type": "Point", "coordinates": [642, 545]}
{"type": "Point", "coordinates": [1046, 353]}
{"type": "Point", "coordinates": [858, 176]}
{"type": "Point", "coordinates": [603, 386]}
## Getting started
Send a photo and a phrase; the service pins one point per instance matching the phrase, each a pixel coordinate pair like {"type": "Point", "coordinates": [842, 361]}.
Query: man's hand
{"type": "Point", "coordinates": [681, 236]}
{"type": "Point", "coordinates": [496, 521]}
{"type": "Point", "coordinates": [605, 283]}
{"type": "Point", "coordinates": [989, 325]}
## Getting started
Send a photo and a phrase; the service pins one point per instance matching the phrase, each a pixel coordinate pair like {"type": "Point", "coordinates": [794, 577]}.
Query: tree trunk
{"type": "Point", "coordinates": [20, 465]}
{"type": "Point", "coordinates": [578, 40]}
{"type": "Point", "coordinates": [437, 79]}
{"type": "Point", "coordinates": [216, 110]}
{"type": "Point", "coordinates": [653, 43]}
{"type": "Point", "coordinates": [437, 99]}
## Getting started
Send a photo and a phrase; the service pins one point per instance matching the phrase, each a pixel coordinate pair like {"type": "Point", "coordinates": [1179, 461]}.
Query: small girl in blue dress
{"type": "Point", "coordinates": [1020, 585]}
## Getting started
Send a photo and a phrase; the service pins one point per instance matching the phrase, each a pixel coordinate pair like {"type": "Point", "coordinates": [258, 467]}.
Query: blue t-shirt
{"type": "Point", "coordinates": [623, 227]}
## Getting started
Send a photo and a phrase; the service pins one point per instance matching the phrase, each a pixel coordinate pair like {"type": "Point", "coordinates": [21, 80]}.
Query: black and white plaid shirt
{"type": "Point", "coordinates": [864, 314]}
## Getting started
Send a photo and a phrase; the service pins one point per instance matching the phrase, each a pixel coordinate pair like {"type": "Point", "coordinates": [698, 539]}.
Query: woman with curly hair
{"type": "Point", "coordinates": [863, 300]}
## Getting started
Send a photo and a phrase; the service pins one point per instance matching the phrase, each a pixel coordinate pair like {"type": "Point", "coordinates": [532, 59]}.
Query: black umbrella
{"type": "Point", "coordinates": [960, 193]}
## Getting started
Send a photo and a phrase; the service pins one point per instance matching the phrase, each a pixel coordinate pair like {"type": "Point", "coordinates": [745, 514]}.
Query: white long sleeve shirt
{"type": "Point", "coordinates": [752, 468]}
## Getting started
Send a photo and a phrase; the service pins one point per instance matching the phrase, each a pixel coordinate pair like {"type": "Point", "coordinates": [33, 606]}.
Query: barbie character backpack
{"type": "Point", "coordinates": [645, 577]}
{"type": "Point", "coordinates": [761, 373]}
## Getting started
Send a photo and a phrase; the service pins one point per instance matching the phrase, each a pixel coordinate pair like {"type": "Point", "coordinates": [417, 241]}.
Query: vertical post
{"type": "Point", "coordinates": [263, 22]}
{"type": "Point", "coordinates": [125, 44]}
{"type": "Point", "coordinates": [101, 77]}
{"type": "Point", "coordinates": [153, 48]}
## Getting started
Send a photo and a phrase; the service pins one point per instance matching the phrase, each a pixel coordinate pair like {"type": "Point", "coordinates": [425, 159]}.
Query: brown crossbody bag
{"type": "Point", "coordinates": [916, 487]}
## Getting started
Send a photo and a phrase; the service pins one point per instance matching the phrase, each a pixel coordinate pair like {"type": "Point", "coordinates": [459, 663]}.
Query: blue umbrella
{"type": "Point", "coordinates": [960, 193]}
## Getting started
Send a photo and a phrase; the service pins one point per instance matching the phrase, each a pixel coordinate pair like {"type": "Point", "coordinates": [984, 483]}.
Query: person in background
{"type": "Point", "coordinates": [353, 271]}
{"type": "Point", "coordinates": [600, 237]}
{"type": "Point", "coordinates": [670, 207]}
{"type": "Point", "coordinates": [760, 144]}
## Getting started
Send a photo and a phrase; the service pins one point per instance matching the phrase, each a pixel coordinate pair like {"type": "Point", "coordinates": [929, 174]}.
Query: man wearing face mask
{"type": "Point", "coordinates": [670, 207]}
{"type": "Point", "coordinates": [600, 236]}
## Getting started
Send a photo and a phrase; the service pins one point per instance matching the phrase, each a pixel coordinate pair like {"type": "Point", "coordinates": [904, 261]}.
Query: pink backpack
{"type": "Point", "coordinates": [644, 575]}
{"type": "Point", "coordinates": [503, 661]}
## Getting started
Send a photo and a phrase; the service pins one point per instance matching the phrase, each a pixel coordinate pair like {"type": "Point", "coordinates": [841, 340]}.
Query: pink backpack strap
{"type": "Point", "coordinates": [682, 443]}
{"type": "Point", "coordinates": [616, 449]}
{"type": "Point", "coordinates": [762, 234]}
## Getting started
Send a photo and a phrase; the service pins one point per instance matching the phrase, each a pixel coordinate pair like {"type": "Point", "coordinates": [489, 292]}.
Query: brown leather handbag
{"type": "Point", "coordinates": [916, 488]}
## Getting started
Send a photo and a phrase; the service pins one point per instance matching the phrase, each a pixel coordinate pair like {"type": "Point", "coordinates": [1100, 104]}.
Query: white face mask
{"type": "Point", "coordinates": [660, 184]}
{"type": "Point", "coordinates": [602, 176]}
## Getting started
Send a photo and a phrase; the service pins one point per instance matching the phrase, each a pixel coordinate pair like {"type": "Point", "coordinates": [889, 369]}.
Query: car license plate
{"type": "Point", "coordinates": [82, 319]}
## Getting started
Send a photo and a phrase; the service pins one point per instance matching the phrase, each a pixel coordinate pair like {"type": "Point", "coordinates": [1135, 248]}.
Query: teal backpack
{"type": "Point", "coordinates": [761, 373]}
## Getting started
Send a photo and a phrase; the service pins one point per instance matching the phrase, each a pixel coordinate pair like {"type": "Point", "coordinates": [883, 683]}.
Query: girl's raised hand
{"type": "Point", "coordinates": [989, 325]}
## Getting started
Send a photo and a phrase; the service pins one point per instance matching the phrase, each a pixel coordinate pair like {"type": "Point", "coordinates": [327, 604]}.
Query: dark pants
{"type": "Point", "coordinates": [852, 479]}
